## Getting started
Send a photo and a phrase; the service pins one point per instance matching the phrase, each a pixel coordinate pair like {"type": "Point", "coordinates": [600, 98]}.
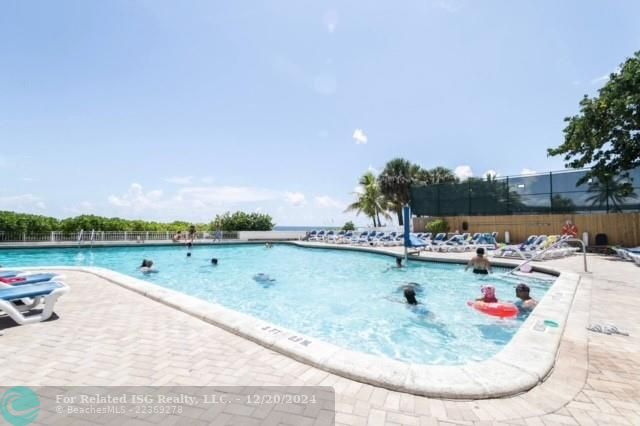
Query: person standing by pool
{"type": "Point", "coordinates": [192, 233]}
{"type": "Point", "coordinates": [570, 229]}
{"type": "Point", "coordinates": [526, 302]}
{"type": "Point", "coordinates": [480, 264]}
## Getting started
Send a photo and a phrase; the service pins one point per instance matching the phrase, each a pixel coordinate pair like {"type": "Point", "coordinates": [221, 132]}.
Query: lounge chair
{"type": "Point", "coordinates": [47, 292]}
{"type": "Point", "coordinates": [318, 237]}
{"type": "Point", "coordinates": [24, 279]}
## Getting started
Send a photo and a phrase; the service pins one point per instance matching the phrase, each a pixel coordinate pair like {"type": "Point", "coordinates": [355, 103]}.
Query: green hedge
{"type": "Point", "coordinates": [11, 222]}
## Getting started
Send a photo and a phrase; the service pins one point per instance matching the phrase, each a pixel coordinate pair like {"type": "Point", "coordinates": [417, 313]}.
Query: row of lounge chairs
{"type": "Point", "coordinates": [358, 238]}
{"type": "Point", "coordinates": [539, 247]}
{"type": "Point", "coordinates": [423, 241]}
{"type": "Point", "coordinates": [631, 254]}
{"type": "Point", "coordinates": [21, 292]}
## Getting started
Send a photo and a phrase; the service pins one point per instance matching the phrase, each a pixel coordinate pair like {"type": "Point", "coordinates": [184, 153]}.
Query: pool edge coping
{"type": "Point", "coordinates": [526, 361]}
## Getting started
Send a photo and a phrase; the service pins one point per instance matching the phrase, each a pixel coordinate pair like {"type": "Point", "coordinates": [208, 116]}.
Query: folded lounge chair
{"type": "Point", "coordinates": [47, 292]}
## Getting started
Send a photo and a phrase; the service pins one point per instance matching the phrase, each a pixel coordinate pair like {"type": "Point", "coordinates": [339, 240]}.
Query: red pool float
{"type": "Point", "coordinates": [500, 309]}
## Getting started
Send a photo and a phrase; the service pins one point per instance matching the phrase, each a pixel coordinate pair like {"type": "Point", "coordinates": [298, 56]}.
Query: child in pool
{"type": "Point", "coordinates": [488, 294]}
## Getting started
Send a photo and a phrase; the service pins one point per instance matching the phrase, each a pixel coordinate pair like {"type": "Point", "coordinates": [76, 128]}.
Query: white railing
{"type": "Point", "coordinates": [554, 246]}
{"type": "Point", "coordinates": [97, 236]}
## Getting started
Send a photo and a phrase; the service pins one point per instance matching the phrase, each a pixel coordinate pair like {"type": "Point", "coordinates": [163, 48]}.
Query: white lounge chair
{"type": "Point", "coordinates": [47, 292]}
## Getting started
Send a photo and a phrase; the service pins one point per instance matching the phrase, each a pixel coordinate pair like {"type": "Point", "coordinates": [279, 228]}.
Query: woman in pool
{"type": "Point", "coordinates": [480, 264]}
{"type": "Point", "coordinates": [488, 294]}
{"type": "Point", "coordinates": [147, 266]}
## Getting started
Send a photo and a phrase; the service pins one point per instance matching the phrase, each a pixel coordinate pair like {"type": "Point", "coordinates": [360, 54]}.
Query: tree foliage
{"type": "Point", "coordinates": [370, 199]}
{"type": "Point", "coordinates": [399, 174]}
{"type": "Point", "coordinates": [241, 221]}
{"type": "Point", "coordinates": [12, 222]}
{"type": "Point", "coordinates": [606, 133]}
{"type": "Point", "coordinates": [349, 226]}
{"type": "Point", "coordinates": [437, 226]}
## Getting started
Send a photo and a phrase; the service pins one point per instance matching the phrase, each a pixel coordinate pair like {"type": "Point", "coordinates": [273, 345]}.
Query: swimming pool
{"type": "Point", "coordinates": [351, 299]}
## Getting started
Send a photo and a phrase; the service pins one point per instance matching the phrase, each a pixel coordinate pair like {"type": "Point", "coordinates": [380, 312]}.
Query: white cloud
{"type": "Point", "coordinates": [604, 78]}
{"type": "Point", "coordinates": [330, 20]}
{"type": "Point", "coordinates": [360, 137]}
{"type": "Point", "coordinates": [296, 199]}
{"type": "Point", "coordinates": [29, 179]}
{"type": "Point", "coordinates": [222, 195]}
{"type": "Point", "coordinates": [526, 171]}
{"type": "Point", "coordinates": [24, 202]}
{"type": "Point", "coordinates": [180, 180]}
{"type": "Point", "coordinates": [491, 173]}
{"type": "Point", "coordinates": [600, 79]}
{"type": "Point", "coordinates": [136, 198]}
{"type": "Point", "coordinates": [358, 189]}
{"type": "Point", "coordinates": [207, 180]}
{"type": "Point", "coordinates": [84, 207]}
{"type": "Point", "coordinates": [450, 6]}
{"type": "Point", "coordinates": [463, 172]}
{"type": "Point", "coordinates": [325, 201]}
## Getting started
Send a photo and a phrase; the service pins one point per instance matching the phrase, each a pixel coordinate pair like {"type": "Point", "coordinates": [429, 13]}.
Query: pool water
{"type": "Point", "coordinates": [351, 299]}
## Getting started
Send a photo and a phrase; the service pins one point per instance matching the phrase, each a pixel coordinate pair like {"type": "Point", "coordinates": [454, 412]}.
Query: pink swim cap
{"type": "Point", "coordinates": [488, 291]}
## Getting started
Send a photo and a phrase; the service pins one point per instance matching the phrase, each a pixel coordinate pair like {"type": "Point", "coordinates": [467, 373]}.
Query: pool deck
{"type": "Point", "coordinates": [105, 334]}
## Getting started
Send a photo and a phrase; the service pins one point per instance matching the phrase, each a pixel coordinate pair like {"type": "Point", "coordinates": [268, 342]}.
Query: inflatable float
{"type": "Point", "coordinates": [499, 309]}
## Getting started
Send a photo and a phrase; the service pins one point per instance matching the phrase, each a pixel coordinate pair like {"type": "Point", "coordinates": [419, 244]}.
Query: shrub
{"type": "Point", "coordinates": [349, 226]}
{"type": "Point", "coordinates": [241, 221]}
{"type": "Point", "coordinates": [438, 226]}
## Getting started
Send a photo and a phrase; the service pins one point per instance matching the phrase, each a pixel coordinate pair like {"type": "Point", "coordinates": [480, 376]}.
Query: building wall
{"type": "Point", "coordinates": [621, 228]}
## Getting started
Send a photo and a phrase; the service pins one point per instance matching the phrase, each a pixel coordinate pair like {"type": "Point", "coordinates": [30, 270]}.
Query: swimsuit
{"type": "Point", "coordinates": [480, 271]}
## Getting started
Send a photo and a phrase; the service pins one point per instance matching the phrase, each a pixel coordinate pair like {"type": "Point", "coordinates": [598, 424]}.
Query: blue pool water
{"type": "Point", "coordinates": [351, 299]}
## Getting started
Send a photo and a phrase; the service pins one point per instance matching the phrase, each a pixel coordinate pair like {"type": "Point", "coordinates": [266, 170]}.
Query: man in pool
{"type": "Point", "coordinates": [214, 262]}
{"type": "Point", "coordinates": [147, 266]}
{"type": "Point", "coordinates": [480, 264]}
{"type": "Point", "coordinates": [526, 302]}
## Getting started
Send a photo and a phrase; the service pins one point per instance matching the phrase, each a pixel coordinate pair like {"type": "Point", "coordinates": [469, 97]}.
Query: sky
{"type": "Point", "coordinates": [166, 110]}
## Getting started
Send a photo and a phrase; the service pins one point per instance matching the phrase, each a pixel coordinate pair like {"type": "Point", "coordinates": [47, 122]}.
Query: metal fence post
{"type": "Point", "coordinates": [508, 194]}
{"type": "Point", "coordinates": [606, 191]}
{"type": "Point", "coordinates": [469, 197]}
{"type": "Point", "coordinates": [551, 192]}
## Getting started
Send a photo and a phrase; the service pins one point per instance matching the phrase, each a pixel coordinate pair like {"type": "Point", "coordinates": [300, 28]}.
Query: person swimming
{"type": "Point", "coordinates": [480, 264]}
{"type": "Point", "coordinates": [399, 266]}
{"type": "Point", "coordinates": [410, 295]}
{"type": "Point", "coordinates": [214, 261]}
{"type": "Point", "coordinates": [261, 277]}
{"type": "Point", "coordinates": [488, 294]}
{"type": "Point", "coordinates": [417, 287]}
{"type": "Point", "coordinates": [147, 266]}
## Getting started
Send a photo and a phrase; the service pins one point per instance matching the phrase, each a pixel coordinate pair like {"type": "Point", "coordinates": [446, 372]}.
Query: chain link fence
{"type": "Point", "coordinates": [553, 192]}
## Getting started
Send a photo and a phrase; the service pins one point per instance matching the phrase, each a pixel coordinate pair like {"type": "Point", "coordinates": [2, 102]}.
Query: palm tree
{"type": "Point", "coordinates": [610, 191]}
{"type": "Point", "coordinates": [395, 183]}
{"type": "Point", "coordinates": [370, 200]}
{"type": "Point", "coordinates": [441, 175]}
